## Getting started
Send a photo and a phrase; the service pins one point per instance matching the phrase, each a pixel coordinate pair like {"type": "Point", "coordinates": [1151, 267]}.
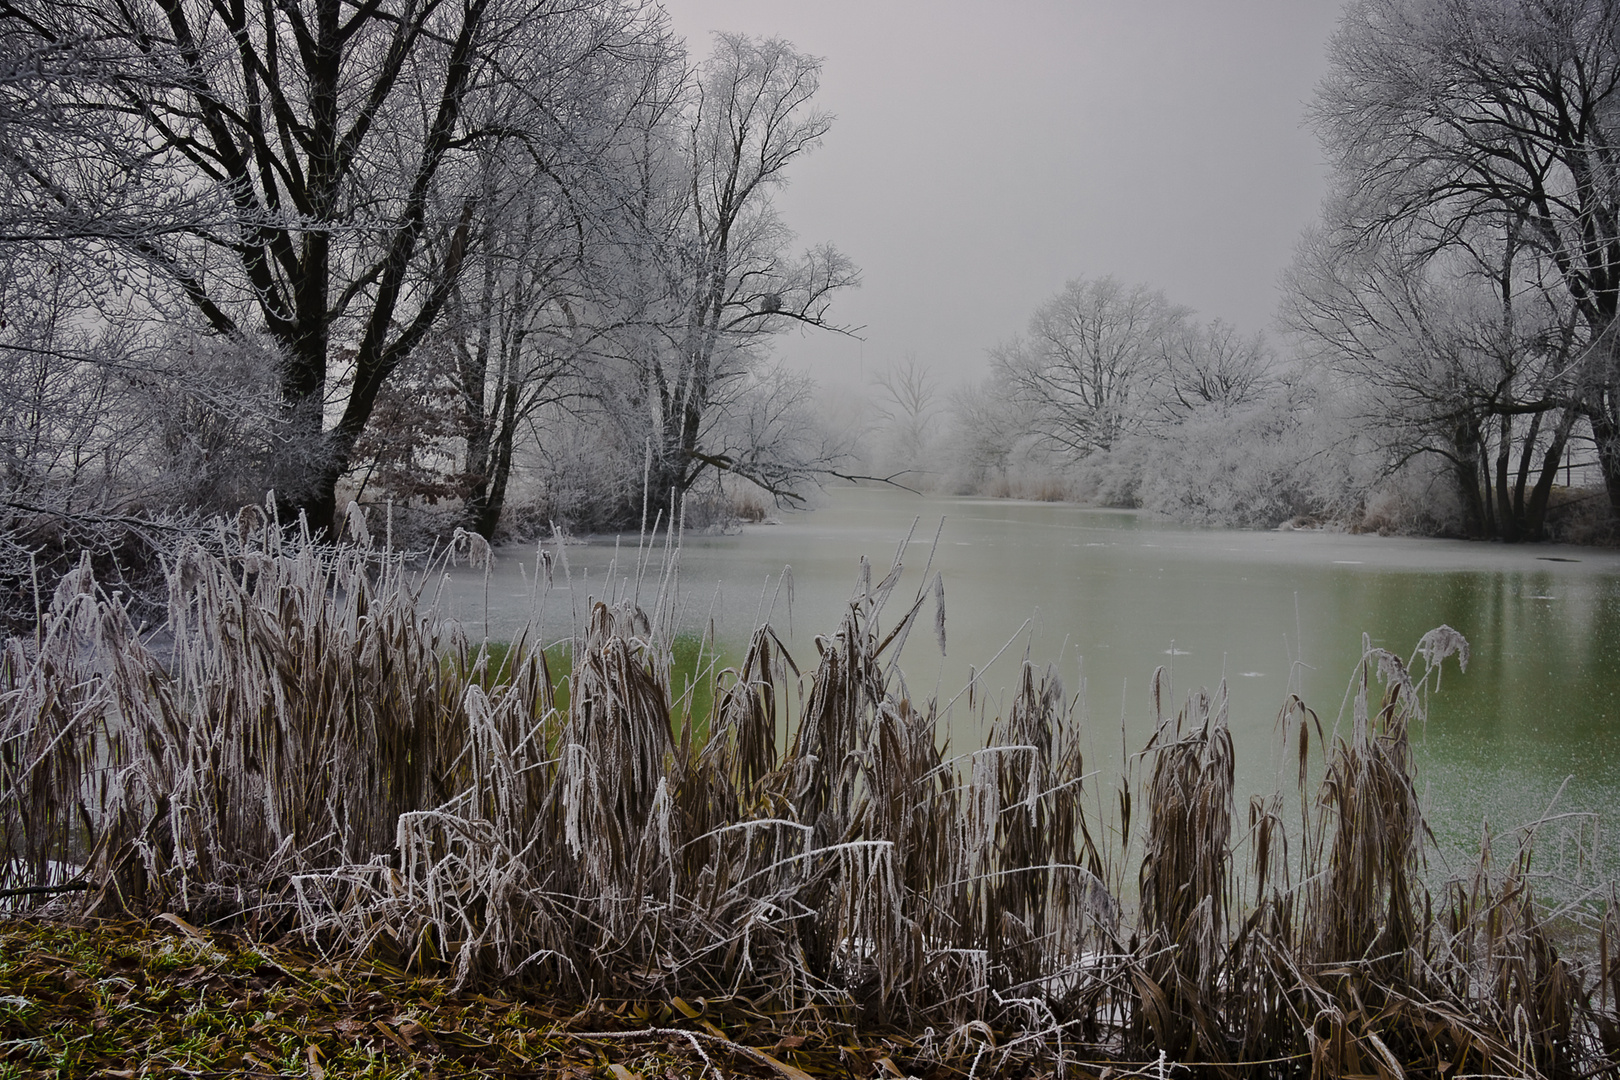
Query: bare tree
{"type": "Point", "coordinates": [1445, 118]}
{"type": "Point", "coordinates": [713, 262]}
{"type": "Point", "coordinates": [1093, 364]}
{"type": "Point", "coordinates": [986, 430]}
{"type": "Point", "coordinates": [1213, 366]}
{"type": "Point", "coordinates": [530, 321]}
{"type": "Point", "coordinates": [910, 408]}
{"type": "Point", "coordinates": [320, 137]}
{"type": "Point", "coordinates": [1457, 352]}
{"type": "Point", "coordinates": [121, 423]}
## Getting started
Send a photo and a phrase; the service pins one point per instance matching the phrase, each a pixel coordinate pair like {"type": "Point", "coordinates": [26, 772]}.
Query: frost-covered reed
{"type": "Point", "coordinates": [319, 752]}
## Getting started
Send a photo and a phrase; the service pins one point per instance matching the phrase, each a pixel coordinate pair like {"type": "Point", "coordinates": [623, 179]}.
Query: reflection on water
{"type": "Point", "coordinates": [1110, 595]}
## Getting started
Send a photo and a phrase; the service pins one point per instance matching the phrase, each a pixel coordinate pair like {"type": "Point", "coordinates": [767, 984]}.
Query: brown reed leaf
{"type": "Point", "coordinates": [319, 753]}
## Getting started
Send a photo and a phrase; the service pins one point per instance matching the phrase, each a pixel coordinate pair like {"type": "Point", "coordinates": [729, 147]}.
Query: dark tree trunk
{"type": "Point", "coordinates": [1535, 518]}
{"type": "Point", "coordinates": [1467, 469]}
{"type": "Point", "coordinates": [1525, 460]}
{"type": "Point", "coordinates": [659, 504]}
{"type": "Point", "coordinates": [1603, 401]}
{"type": "Point", "coordinates": [1490, 503]}
{"type": "Point", "coordinates": [291, 268]}
{"type": "Point", "coordinates": [1607, 435]}
{"type": "Point", "coordinates": [1500, 523]}
{"type": "Point", "coordinates": [487, 499]}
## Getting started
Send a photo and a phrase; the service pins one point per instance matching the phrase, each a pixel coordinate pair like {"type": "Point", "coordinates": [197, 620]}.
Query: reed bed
{"type": "Point", "coordinates": [319, 754]}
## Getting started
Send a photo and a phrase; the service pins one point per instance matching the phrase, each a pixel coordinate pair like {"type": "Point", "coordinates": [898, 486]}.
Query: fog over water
{"type": "Point", "coordinates": [1108, 596]}
{"type": "Point", "coordinates": [985, 154]}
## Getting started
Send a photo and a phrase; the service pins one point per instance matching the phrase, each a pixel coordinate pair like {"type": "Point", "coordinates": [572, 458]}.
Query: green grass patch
{"type": "Point", "coordinates": [694, 662]}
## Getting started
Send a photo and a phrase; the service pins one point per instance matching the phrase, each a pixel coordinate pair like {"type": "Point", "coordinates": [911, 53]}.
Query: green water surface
{"type": "Point", "coordinates": [1108, 596]}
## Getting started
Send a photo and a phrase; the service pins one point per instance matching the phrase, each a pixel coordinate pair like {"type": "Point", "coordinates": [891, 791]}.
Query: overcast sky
{"type": "Point", "coordinates": [985, 153]}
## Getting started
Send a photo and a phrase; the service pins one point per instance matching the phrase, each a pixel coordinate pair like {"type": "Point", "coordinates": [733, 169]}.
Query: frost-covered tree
{"type": "Point", "coordinates": [530, 322]}
{"type": "Point", "coordinates": [441, 228]}
{"type": "Point", "coordinates": [1093, 365]}
{"type": "Point", "coordinates": [710, 271]}
{"type": "Point", "coordinates": [318, 162]}
{"type": "Point", "coordinates": [1105, 372]}
{"type": "Point", "coordinates": [1275, 457]}
{"type": "Point", "coordinates": [1457, 352]}
{"type": "Point", "coordinates": [1445, 120]}
{"type": "Point", "coordinates": [1213, 366]}
{"type": "Point", "coordinates": [910, 411]}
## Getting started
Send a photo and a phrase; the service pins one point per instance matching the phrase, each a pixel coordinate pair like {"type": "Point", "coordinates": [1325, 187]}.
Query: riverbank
{"type": "Point", "coordinates": [132, 999]}
{"type": "Point", "coordinates": [324, 760]}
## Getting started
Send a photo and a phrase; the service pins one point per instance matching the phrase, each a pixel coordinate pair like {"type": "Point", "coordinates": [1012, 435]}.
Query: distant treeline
{"type": "Point", "coordinates": [1450, 360]}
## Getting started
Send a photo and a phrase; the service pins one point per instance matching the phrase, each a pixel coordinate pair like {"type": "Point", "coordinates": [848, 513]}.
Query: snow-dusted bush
{"type": "Point", "coordinates": [1253, 468]}
{"type": "Point", "coordinates": [119, 435]}
{"type": "Point", "coordinates": [1297, 457]}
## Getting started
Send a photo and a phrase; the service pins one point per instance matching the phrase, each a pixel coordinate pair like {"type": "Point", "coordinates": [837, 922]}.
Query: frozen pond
{"type": "Point", "coordinates": [1109, 595]}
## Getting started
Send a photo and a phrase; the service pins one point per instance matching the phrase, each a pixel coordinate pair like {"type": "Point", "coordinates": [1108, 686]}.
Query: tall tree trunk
{"type": "Point", "coordinates": [1505, 524]}
{"type": "Point", "coordinates": [487, 500]}
{"type": "Point", "coordinates": [472, 373]}
{"type": "Point", "coordinates": [1490, 502]}
{"type": "Point", "coordinates": [478, 465]}
{"type": "Point", "coordinates": [1603, 404]}
{"type": "Point", "coordinates": [1524, 465]}
{"type": "Point", "coordinates": [1607, 435]}
{"type": "Point", "coordinates": [1536, 511]}
{"type": "Point", "coordinates": [1468, 469]}
{"type": "Point", "coordinates": [664, 484]}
